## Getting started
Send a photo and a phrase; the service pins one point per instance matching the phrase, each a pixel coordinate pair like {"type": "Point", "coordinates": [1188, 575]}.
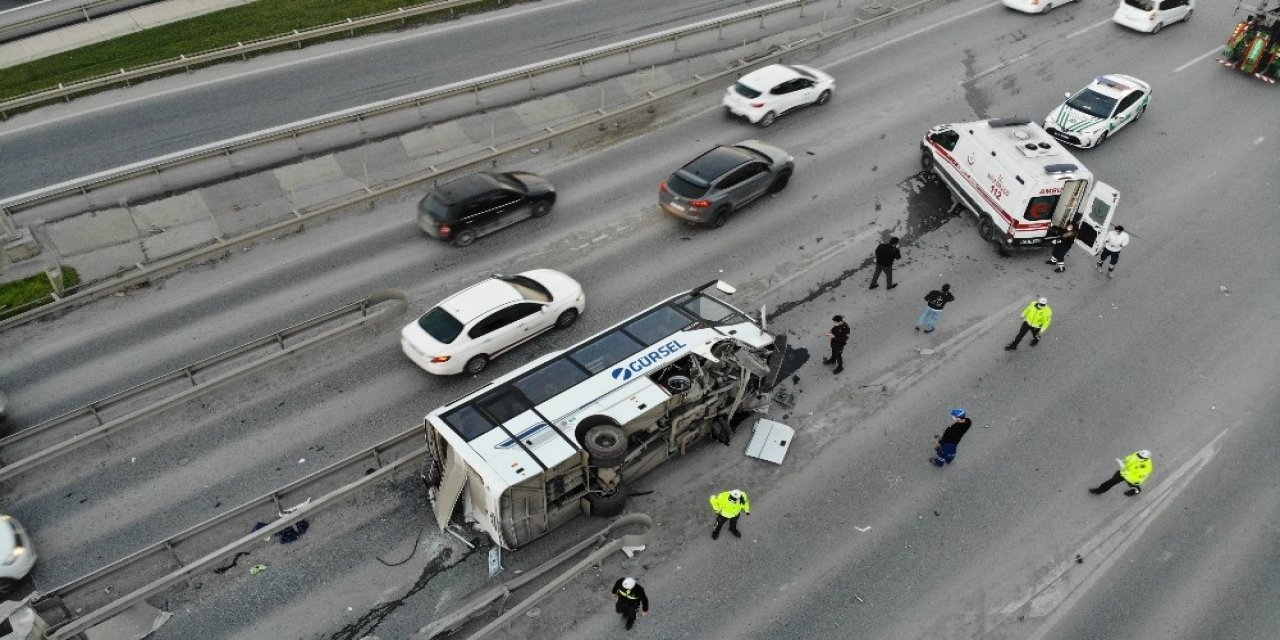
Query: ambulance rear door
{"type": "Point", "coordinates": [1096, 217]}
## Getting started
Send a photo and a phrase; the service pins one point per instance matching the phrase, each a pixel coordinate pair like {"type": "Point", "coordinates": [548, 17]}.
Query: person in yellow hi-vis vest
{"type": "Point", "coordinates": [1134, 470]}
{"type": "Point", "coordinates": [1036, 319]}
{"type": "Point", "coordinates": [728, 505]}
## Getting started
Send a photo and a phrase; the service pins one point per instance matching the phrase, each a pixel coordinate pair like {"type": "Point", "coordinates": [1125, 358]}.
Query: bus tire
{"type": "Point", "coordinates": [607, 506]}
{"type": "Point", "coordinates": [606, 445]}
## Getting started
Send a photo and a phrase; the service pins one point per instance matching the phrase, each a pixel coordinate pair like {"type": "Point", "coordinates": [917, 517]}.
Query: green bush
{"type": "Point", "coordinates": [17, 296]}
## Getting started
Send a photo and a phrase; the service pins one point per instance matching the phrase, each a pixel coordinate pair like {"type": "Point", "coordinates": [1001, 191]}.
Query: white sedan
{"type": "Point", "coordinates": [1034, 6]}
{"type": "Point", "coordinates": [471, 327]}
{"type": "Point", "coordinates": [764, 94]}
{"type": "Point", "coordinates": [1099, 110]}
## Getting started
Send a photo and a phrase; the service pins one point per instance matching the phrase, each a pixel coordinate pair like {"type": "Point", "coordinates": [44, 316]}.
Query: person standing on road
{"type": "Point", "coordinates": [839, 335]}
{"type": "Point", "coordinates": [1035, 319]}
{"type": "Point", "coordinates": [1061, 245]}
{"type": "Point", "coordinates": [1115, 240]}
{"type": "Point", "coordinates": [631, 598]}
{"type": "Point", "coordinates": [886, 253]}
{"type": "Point", "coordinates": [1134, 470]}
{"type": "Point", "coordinates": [728, 505]}
{"type": "Point", "coordinates": [934, 301]}
{"type": "Point", "coordinates": [949, 443]}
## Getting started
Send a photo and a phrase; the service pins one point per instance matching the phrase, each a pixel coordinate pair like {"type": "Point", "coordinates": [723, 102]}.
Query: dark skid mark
{"type": "Point", "coordinates": [366, 624]}
{"type": "Point", "coordinates": [973, 96]}
{"type": "Point", "coordinates": [822, 288]}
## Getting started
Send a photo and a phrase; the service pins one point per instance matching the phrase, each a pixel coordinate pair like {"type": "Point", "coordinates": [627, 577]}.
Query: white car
{"type": "Point", "coordinates": [764, 94]}
{"type": "Point", "coordinates": [471, 327]}
{"type": "Point", "coordinates": [1149, 16]}
{"type": "Point", "coordinates": [1034, 6]}
{"type": "Point", "coordinates": [17, 556]}
{"type": "Point", "coordinates": [1097, 111]}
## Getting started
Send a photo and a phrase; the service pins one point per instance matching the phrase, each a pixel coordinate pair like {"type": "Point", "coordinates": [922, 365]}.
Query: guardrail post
{"type": "Point", "coordinates": [531, 87]}
{"type": "Point", "coordinates": [628, 55]}
{"type": "Point", "coordinates": [582, 72]}
{"type": "Point", "coordinates": [476, 89]}
{"type": "Point", "coordinates": [720, 31]}
{"type": "Point", "coordinates": [676, 41]}
{"type": "Point", "coordinates": [801, 8]}
{"type": "Point", "coordinates": [762, 20]}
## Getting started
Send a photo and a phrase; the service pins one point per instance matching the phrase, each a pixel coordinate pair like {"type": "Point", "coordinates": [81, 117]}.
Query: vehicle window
{"type": "Point", "coordinates": [517, 312]}
{"type": "Point", "coordinates": [745, 91]}
{"type": "Point", "coordinates": [947, 139]}
{"type": "Point", "coordinates": [712, 311]}
{"type": "Point", "coordinates": [488, 325]}
{"type": "Point", "coordinates": [799, 71]}
{"type": "Point", "coordinates": [440, 325]}
{"type": "Point", "coordinates": [1145, 5]}
{"type": "Point", "coordinates": [653, 327]}
{"type": "Point", "coordinates": [528, 288]}
{"type": "Point", "coordinates": [1128, 101]}
{"type": "Point", "coordinates": [685, 187]}
{"type": "Point", "coordinates": [1092, 103]}
{"type": "Point", "coordinates": [734, 178]}
{"type": "Point", "coordinates": [550, 381]}
{"type": "Point", "coordinates": [1041, 208]}
{"type": "Point", "coordinates": [606, 351]}
{"type": "Point", "coordinates": [436, 207]}
{"type": "Point", "coordinates": [785, 88]}
{"type": "Point", "coordinates": [501, 405]}
{"type": "Point", "coordinates": [468, 423]}
{"type": "Point", "coordinates": [1098, 212]}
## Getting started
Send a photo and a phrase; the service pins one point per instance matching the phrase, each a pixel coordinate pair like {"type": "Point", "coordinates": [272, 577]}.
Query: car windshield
{"type": "Point", "coordinates": [801, 72]}
{"type": "Point", "coordinates": [745, 91]}
{"type": "Point", "coordinates": [686, 187]}
{"type": "Point", "coordinates": [436, 207]}
{"type": "Point", "coordinates": [1092, 103]}
{"type": "Point", "coordinates": [440, 325]}
{"type": "Point", "coordinates": [529, 288]}
{"type": "Point", "coordinates": [1145, 5]}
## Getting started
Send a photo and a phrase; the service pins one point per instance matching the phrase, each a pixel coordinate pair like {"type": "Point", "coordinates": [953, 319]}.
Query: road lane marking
{"type": "Point", "coordinates": [992, 69]}
{"type": "Point", "coordinates": [917, 32]}
{"type": "Point", "coordinates": [1197, 59]}
{"type": "Point", "coordinates": [1087, 29]}
{"type": "Point", "coordinates": [1055, 594]}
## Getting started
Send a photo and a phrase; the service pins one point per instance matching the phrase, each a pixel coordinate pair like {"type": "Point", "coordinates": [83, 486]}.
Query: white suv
{"type": "Point", "coordinates": [471, 327]}
{"type": "Point", "coordinates": [17, 556]}
{"type": "Point", "coordinates": [764, 94]}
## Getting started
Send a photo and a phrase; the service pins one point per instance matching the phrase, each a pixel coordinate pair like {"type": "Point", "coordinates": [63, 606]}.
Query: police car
{"type": "Point", "coordinates": [1097, 111]}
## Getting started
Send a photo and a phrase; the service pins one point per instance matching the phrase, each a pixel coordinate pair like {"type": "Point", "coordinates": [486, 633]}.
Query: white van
{"type": "Point", "coordinates": [1022, 184]}
{"type": "Point", "coordinates": [1150, 16]}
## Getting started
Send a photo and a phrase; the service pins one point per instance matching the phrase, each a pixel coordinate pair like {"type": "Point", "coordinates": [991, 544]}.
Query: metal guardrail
{"type": "Point", "coordinates": [131, 572]}
{"type": "Point", "coordinates": [142, 275]}
{"type": "Point", "coordinates": [232, 51]}
{"type": "Point", "coordinates": [61, 16]}
{"type": "Point", "coordinates": [188, 373]}
{"type": "Point", "coordinates": [288, 518]}
{"type": "Point", "coordinates": [154, 166]}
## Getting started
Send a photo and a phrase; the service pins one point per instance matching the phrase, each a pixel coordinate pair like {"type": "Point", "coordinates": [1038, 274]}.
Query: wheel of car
{"type": "Point", "coordinates": [541, 208]}
{"type": "Point", "coordinates": [768, 119]}
{"type": "Point", "coordinates": [1102, 138]}
{"type": "Point", "coordinates": [606, 445]}
{"type": "Point", "coordinates": [1156, 29]}
{"type": "Point", "coordinates": [823, 97]}
{"type": "Point", "coordinates": [476, 364]}
{"type": "Point", "coordinates": [464, 238]}
{"type": "Point", "coordinates": [1187, 18]}
{"type": "Point", "coordinates": [1048, 6]}
{"type": "Point", "coordinates": [721, 217]}
{"type": "Point", "coordinates": [728, 114]}
{"type": "Point", "coordinates": [567, 319]}
{"type": "Point", "coordinates": [987, 229]}
{"type": "Point", "coordinates": [926, 160]}
{"type": "Point", "coordinates": [780, 181]}
{"type": "Point", "coordinates": [7, 585]}
{"type": "Point", "coordinates": [1141, 110]}
{"type": "Point", "coordinates": [607, 506]}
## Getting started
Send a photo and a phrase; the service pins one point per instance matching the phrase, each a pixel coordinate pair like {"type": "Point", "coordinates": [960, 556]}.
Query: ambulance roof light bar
{"type": "Point", "coordinates": [1061, 168]}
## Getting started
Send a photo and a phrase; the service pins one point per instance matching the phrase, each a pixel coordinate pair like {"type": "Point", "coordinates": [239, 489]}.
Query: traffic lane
{"type": "Point", "coordinates": [123, 126]}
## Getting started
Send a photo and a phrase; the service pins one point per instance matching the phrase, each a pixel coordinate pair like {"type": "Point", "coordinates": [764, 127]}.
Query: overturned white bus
{"type": "Point", "coordinates": [566, 433]}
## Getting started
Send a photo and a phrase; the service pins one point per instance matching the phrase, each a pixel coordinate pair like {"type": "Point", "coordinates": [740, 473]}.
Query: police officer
{"type": "Point", "coordinates": [839, 335]}
{"type": "Point", "coordinates": [1134, 470]}
{"type": "Point", "coordinates": [631, 597]}
{"type": "Point", "coordinates": [728, 505]}
{"type": "Point", "coordinates": [1035, 318]}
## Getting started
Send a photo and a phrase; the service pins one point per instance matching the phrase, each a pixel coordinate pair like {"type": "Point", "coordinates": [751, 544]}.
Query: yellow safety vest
{"type": "Point", "coordinates": [1136, 469]}
{"type": "Point", "coordinates": [726, 507]}
{"type": "Point", "coordinates": [626, 593]}
{"type": "Point", "coordinates": [1038, 317]}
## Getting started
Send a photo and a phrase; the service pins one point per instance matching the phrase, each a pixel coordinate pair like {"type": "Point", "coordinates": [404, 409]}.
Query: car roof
{"type": "Point", "coordinates": [717, 162]}
{"type": "Point", "coordinates": [475, 301]}
{"type": "Point", "coordinates": [467, 187]}
{"type": "Point", "coordinates": [1116, 86]}
{"type": "Point", "coordinates": [770, 76]}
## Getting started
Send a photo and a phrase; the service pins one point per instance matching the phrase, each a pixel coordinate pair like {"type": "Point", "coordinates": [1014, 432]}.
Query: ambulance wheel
{"type": "Point", "coordinates": [987, 229]}
{"type": "Point", "coordinates": [606, 445]}
{"type": "Point", "coordinates": [926, 161]}
{"type": "Point", "coordinates": [607, 506]}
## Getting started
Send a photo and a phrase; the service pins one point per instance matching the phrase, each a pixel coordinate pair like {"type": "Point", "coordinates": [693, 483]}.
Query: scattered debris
{"type": "Point", "coordinates": [236, 559]}
{"type": "Point", "coordinates": [1079, 560]}
{"type": "Point", "coordinates": [257, 569]}
{"type": "Point", "coordinates": [857, 598]}
{"type": "Point", "coordinates": [1224, 290]}
{"type": "Point", "coordinates": [863, 529]}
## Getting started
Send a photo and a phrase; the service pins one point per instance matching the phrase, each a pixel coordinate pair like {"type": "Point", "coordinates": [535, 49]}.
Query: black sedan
{"type": "Point", "coordinates": [478, 204]}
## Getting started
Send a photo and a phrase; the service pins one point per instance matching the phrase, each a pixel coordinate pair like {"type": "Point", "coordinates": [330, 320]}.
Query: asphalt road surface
{"type": "Point", "coordinates": [855, 535]}
{"type": "Point", "coordinates": [123, 126]}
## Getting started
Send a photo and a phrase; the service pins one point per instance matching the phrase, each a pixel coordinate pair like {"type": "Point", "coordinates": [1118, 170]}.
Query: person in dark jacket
{"type": "Point", "coordinates": [1061, 245]}
{"type": "Point", "coordinates": [631, 598]}
{"type": "Point", "coordinates": [934, 301]}
{"type": "Point", "coordinates": [839, 335]}
{"type": "Point", "coordinates": [886, 253]}
{"type": "Point", "coordinates": [949, 443]}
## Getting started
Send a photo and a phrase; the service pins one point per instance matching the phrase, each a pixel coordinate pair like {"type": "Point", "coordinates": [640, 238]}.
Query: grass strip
{"type": "Point", "coordinates": [254, 21]}
{"type": "Point", "coordinates": [17, 296]}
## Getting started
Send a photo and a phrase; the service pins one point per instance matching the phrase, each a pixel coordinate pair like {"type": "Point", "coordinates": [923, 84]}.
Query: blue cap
{"type": "Point", "coordinates": [957, 413]}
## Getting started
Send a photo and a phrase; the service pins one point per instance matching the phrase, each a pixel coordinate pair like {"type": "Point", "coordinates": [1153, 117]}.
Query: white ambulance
{"type": "Point", "coordinates": [1021, 183]}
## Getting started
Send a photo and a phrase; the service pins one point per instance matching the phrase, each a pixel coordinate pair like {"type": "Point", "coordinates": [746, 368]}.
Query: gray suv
{"type": "Point", "coordinates": [723, 180]}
